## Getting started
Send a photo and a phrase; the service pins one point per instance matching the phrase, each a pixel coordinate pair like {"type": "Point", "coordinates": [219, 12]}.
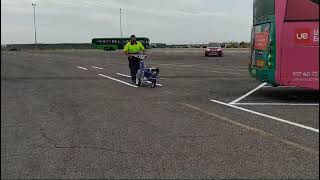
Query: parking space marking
{"type": "Point", "coordinates": [276, 104]}
{"type": "Point", "coordinates": [82, 68]}
{"type": "Point", "coordinates": [269, 86]}
{"type": "Point", "coordinates": [118, 80]}
{"type": "Point", "coordinates": [255, 130]}
{"type": "Point", "coordinates": [247, 94]}
{"type": "Point", "coordinates": [268, 116]}
{"type": "Point", "coordinates": [124, 75]}
{"type": "Point", "coordinates": [96, 67]}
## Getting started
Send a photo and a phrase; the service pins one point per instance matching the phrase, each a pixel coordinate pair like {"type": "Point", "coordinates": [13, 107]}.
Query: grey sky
{"type": "Point", "coordinates": [169, 21]}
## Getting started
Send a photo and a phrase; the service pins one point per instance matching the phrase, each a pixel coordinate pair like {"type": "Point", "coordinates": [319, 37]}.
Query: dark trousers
{"type": "Point", "coordinates": [134, 65]}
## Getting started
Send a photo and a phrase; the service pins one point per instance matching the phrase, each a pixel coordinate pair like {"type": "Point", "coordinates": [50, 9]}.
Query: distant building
{"type": "Point", "coordinates": [158, 45]}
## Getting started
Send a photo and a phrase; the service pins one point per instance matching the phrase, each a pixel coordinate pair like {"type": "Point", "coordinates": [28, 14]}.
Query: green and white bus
{"type": "Point", "coordinates": [112, 44]}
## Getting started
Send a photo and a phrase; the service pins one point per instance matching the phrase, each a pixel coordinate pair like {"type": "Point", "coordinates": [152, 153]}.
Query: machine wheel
{"type": "Point", "coordinates": [138, 81]}
{"type": "Point", "coordinates": [153, 84]}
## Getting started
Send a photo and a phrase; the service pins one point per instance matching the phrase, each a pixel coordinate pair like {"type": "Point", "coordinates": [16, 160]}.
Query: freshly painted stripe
{"type": "Point", "coordinates": [82, 68]}
{"type": "Point", "coordinates": [124, 75]}
{"type": "Point", "coordinates": [96, 67]}
{"type": "Point", "coordinates": [268, 116]}
{"type": "Point", "coordinates": [255, 130]}
{"type": "Point", "coordinates": [130, 77]}
{"type": "Point", "coordinates": [117, 80]}
{"type": "Point", "coordinates": [247, 94]}
{"type": "Point", "coordinates": [276, 104]}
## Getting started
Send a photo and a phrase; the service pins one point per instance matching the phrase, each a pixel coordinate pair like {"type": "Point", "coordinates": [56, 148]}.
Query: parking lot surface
{"type": "Point", "coordinates": [74, 114]}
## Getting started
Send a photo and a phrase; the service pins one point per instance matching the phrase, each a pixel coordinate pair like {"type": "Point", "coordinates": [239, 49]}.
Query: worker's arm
{"type": "Point", "coordinates": [126, 51]}
{"type": "Point", "coordinates": [142, 49]}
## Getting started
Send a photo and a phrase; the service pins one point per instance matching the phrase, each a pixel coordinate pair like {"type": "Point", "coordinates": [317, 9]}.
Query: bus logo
{"type": "Point", "coordinates": [302, 36]}
{"type": "Point", "coordinates": [306, 36]}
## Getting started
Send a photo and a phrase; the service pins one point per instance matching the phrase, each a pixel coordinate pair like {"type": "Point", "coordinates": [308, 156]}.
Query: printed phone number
{"type": "Point", "coordinates": [305, 74]}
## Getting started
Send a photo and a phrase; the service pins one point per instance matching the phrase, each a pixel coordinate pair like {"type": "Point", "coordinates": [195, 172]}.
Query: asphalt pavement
{"type": "Point", "coordinates": [74, 114]}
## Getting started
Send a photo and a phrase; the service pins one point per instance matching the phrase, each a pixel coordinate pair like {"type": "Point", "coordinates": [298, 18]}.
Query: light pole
{"type": "Point", "coordinates": [120, 24]}
{"type": "Point", "coordinates": [34, 23]}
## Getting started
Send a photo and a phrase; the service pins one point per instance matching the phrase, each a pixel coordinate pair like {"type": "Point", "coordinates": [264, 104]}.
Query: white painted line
{"type": "Point", "coordinates": [82, 68]}
{"type": "Point", "coordinates": [268, 116]}
{"type": "Point", "coordinates": [270, 86]}
{"type": "Point", "coordinates": [247, 94]}
{"type": "Point", "coordinates": [124, 75]}
{"type": "Point", "coordinates": [130, 77]}
{"type": "Point", "coordinates": [255, 130]}
{"type": "Point", "coordinates": [117, 80]}
{"type": "Point", "coordinates": [96, 67]}
{"type": "Point", "coordinates": [156, 83]}
{"type": "Point", "coordinates": [276, 104]}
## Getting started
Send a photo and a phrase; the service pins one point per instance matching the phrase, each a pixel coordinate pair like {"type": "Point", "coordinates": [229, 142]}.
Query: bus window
{"type": "Point", "coordinates": [302, 10]}
{"type": "Point", "coordinates": [263, 8]}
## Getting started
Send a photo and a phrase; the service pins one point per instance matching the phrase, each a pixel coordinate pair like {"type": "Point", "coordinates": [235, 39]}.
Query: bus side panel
{"type": "Point", "coordinates": [280, 6]}
{"type": "Point", "coordinates": [300, 55]}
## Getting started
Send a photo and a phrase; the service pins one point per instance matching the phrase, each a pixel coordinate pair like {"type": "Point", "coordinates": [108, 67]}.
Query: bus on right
{"type": "Point", "coordinates": [285, 43]}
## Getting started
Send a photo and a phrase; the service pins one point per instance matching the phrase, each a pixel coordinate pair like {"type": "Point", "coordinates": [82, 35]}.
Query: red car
{"type": "Point", "coordinates": [214, 49]}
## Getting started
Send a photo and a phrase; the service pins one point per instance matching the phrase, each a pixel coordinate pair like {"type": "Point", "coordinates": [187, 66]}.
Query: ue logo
{"type": "Point", "coordinates": [302, 36]}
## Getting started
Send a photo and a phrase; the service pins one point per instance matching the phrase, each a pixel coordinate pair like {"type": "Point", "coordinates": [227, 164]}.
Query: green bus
{"type": "Point", "coordinates": [112, 44]}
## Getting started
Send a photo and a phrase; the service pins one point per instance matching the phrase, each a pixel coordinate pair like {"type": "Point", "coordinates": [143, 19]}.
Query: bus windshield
{"type": "Point", "coordinates": [263, 8]}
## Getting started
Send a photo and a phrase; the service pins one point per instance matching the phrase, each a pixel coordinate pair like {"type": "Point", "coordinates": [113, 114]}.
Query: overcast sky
{"type": "Point", "coordinates": [168, 21]}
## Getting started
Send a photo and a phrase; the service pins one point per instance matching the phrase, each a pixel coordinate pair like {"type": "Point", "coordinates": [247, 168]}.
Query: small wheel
{"type": "Point", "coordinates": [138, 81]}
{"type": "Point", "coordinates": [153, 84]}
